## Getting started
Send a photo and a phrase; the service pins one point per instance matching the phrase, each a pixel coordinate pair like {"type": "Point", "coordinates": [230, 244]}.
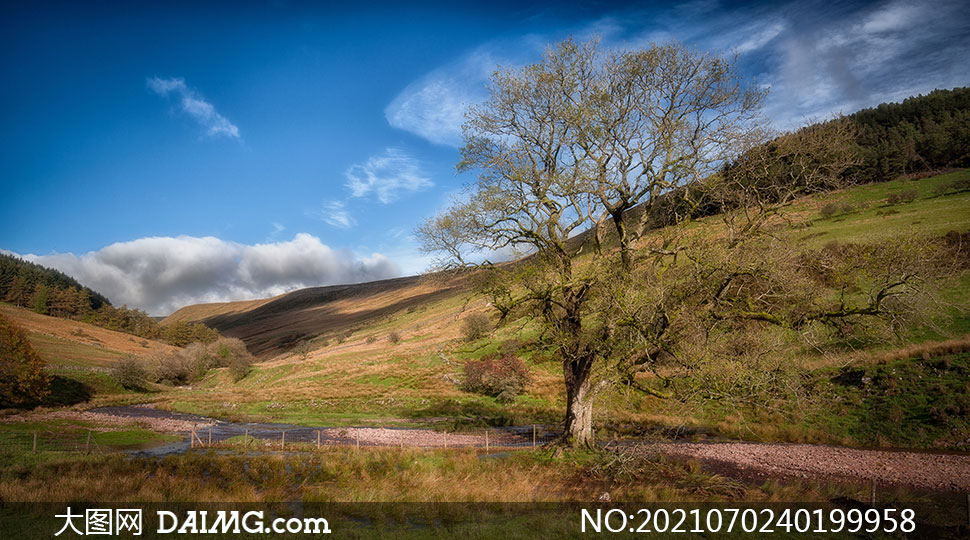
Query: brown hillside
{"type": "Point", "coordinates": [274, 325]}
{"type": "Point", "coordinates": [73, 342]}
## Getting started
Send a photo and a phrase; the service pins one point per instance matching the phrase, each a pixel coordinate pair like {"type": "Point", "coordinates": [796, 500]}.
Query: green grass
{"type": "Point", "coordinates": [67, 439]}
{"type": "Point", "coordinates": [874, 220]}
{"type": "Point", "coordinates": [910, 403]}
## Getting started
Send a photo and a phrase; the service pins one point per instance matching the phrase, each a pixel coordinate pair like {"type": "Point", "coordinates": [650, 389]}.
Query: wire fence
{"type": "Point", "coordinates": [23, 441]}
{"type": "Point", "coordinates": [37, 441]}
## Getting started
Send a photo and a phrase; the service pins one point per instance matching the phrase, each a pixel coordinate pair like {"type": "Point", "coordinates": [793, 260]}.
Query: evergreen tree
{"type": "Point", "coordinates": [40, 300]}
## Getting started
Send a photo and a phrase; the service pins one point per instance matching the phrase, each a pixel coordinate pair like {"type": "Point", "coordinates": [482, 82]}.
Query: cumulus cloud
{"type": "Point", "coordinates": [386, 175]}
{"type": "Point", "coordinates": [162, 274]}
{"type": "Point", "coordinates": [194, 106]}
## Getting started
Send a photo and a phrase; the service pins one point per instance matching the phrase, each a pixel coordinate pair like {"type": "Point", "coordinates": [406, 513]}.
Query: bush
{"type": "Point", "coordinates": [173, 368]}
{"type": "Point", "coordinates": [476, 326]}
{"type": "Point", "coordinates": [907, 196]}
{"type": "Point", "coordinates": [954, 186]}
{"type": "Point", "coordinates": [829, 210]}
{"type": "Point", "coordinates": [22, 376]}
{"type": "Point", "coordinates": [510, 347]}
{"type": "Point", "coordinates": [303, 349]}
{"type": "Point", "coordinates": [199, 359]}
{"type": "Point", "coordinates": [502, 377]}
{"type": "Point", "coordinates": [239, 367]}
{"type": "Point", "coordinates": [194, 361]}
{"type": "Point", "coordinates": [394, 338]}
{"type": "Point", "coordinates": [130, 373]}
{"type": "Point", "coordinates": [370, 340]}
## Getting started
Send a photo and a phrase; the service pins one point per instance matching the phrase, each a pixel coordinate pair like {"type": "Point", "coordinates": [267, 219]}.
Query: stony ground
{"type": "Point", "coordinates": [926, 470]}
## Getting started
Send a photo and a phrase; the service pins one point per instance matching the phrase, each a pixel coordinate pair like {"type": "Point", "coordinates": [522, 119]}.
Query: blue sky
{"type": "Point", "coordinates": [187, 152]}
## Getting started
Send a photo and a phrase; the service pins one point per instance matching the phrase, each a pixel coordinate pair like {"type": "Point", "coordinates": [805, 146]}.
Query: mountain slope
{"type": "Point", "coordinates": [275, 325]}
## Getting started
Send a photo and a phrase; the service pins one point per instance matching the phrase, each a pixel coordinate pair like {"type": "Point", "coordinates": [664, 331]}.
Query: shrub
{"type": "Point", "coordinates": [829, 210]}
{"type": "Point", "coordinates": [502, 377]}
{"type": "Point", "coordinates": [476, 326]}
{"type": "Point", "coordinates": [955, 186]}
{"type": "Point", "coordinates": [394, 338]}
{"type": "Point", "coordinates": [173, 368]}
{"type": "Point", "coordinates": [370, 340]}
{"type": "Point", "coordinates": [22, 376]}
{"type": "Point", "coordinates": [846, 207]}
{"type": "Point", "coordinates": [224, 350]}
{"type": "Point", "coordinates": [239, 367]}
{"type": "Point", "coordinates": [130, 373]}
{"type": "Point", "coordinates": [199, 359]}
{"type": "Point", "coordinates": [510, 347]}
{"type": "Point", "coordinates": [907, 196]}
{"type": "Point", "coordinates": [303, 349]}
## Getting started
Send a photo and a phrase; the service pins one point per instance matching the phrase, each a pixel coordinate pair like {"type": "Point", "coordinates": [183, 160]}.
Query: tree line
{"type": "Point", "coordinates": [50, 292]}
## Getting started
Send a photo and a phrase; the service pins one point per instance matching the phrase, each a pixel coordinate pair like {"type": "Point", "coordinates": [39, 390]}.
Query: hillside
{"type": "Point", "coordinates": [274, 325]}
{"type": "Point", "coordinates": [68, 342]}
{"type": "Point", "coordinates": [79, 355]}
{"type": "Point", "coordinates": [403, 358]}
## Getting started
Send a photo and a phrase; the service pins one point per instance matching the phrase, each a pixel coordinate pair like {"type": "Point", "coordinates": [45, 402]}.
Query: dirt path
{"type": "Point", "coordinates": [925, 470]}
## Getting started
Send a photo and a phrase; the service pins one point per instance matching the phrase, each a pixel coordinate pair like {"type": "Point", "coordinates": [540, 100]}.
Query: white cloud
{"type": "Point", "coordinates": [433, 107]}
{"type": "Point", "coordinates": [195, 106]}
{"type": "Point", "coordinates": [386, 176]}
{"type": "Point", "coordinates": [162, 274]}
{"type": "Point", "coordinates": [759, 38]}
{"type": "Point", "coordinates": [336, 214]}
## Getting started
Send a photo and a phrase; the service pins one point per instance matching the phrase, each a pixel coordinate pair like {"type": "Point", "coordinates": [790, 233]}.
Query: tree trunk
{"type": "Point", "coordinates": [621, 233]}
{"type": "Point", "coordinates": [579, 405]}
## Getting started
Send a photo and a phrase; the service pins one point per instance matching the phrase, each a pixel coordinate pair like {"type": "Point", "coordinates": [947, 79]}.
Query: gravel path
{"type": "Point", "coordinates": [926, 470]}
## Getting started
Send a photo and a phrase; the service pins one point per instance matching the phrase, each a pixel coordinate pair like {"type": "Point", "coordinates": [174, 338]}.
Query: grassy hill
{"type": "Point", "coordinates": [392, 351]}
{"type": "Point", "coordinates": [331, 313]}
{"type": "Point", "coordinates": [80, 355]}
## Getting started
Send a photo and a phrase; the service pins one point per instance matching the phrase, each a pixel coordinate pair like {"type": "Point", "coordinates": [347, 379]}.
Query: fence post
{"type": "Point", "coordinates": [318, 439]}
{"type": "Point", "coordinates": [357, 438]}
{"type": "Point", "coordinates": [283, 441]}
{"type": "Point", "coordinates": [533, 435]}
{"type": "Point", "coordinates": [35, 442]}
{"type": "Point", "coordinates": [872, 492]}
{"type": "Point", "coordinates": [486, 441]}
{"type": "Point", "coordinates": [210, 437]}
{"type": "Point", "coordinates": [87, 445]}
{"type": "Point", "coordinates": [246, 440]}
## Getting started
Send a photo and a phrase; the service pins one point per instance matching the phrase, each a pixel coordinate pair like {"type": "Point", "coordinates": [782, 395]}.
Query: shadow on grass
{"type": "Point", "coordinates": [65, 391]}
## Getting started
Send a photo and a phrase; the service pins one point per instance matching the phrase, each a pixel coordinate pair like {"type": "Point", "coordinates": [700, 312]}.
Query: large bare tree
{"type": "Point", "coordinates": [574, 142]}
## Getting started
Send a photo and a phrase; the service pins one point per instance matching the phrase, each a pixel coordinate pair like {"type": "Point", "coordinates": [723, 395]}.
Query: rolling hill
{"type": "Point", "coordinates": [274, 325]}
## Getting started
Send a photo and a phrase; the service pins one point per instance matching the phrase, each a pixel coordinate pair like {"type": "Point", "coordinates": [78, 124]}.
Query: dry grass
{"type": "Point", "coordinates": [378, 475]}
{"type": "Point", "coordinates": [88, 338]}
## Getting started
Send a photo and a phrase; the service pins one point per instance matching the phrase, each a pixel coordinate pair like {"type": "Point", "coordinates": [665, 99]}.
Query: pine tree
{"type": "Point", "coordinates": [18, 294]}
{"type": "Point", "coordinates": [39, 302]}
